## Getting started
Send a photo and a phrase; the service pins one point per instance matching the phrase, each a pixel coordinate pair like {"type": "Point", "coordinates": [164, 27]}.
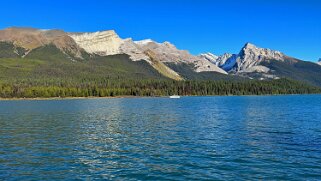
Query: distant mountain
{"type": "Point", "coordinates": [261, 63]}
{"type": "Point", "coordinates": [248, 60]}
{"type": "Point", "coordinates": [164, 59]}
{"type": "Point", "coordinates": [319, 62]}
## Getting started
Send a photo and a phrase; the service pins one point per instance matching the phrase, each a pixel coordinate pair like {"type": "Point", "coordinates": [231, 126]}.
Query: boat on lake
{"type": "Point", "coordinates": [174, 97]}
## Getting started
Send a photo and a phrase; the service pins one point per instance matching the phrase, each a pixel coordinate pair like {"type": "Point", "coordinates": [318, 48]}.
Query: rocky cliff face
{"type": "Point", "coordinates": [102, 43]}
{"type": "Point", "coordinates": [135, 52]}
{"type": "Point", "coordinates": [167, 52]}
{"type": "Point", "coordinates": [108, 43]}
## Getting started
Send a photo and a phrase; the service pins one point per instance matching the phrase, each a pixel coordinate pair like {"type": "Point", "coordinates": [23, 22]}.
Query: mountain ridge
{"type": "Point", "coordinates": [251, 62]}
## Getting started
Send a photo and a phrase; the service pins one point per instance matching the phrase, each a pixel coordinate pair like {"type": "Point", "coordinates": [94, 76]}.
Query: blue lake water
{"type": "Point", "coordinates": [193, 138]}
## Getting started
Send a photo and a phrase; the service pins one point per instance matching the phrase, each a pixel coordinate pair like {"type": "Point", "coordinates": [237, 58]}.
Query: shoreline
{"type": "Point", "coordinates": [123, 97]}
{"type": "Point", "coordinates": [69, 98]}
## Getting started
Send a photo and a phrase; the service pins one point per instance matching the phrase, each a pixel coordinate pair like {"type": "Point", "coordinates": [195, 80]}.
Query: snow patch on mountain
{"type": "Point", "coordinates": [210, 57]}
{"type": "Point", "coordinates": [144, 42]}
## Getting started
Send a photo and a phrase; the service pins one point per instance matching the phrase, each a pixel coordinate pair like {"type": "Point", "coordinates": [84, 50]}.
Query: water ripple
{"type": "Point", "coordinates": [195, 138]}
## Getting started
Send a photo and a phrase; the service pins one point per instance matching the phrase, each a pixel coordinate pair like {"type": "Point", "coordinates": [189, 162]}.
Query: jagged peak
{"type": "Point", "coordinates": [252, 46]}
{"type": "Point", "coordinates": [249, 45]}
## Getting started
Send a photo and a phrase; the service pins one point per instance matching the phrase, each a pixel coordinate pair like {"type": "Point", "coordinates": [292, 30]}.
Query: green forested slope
{"type": "Point", "coordinates": [47, 72]}
{"type": "Point", "coordinates": [301, 70]}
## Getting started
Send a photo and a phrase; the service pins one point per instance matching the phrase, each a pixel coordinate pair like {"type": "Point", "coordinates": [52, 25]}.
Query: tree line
{"type": "Point", "coordinates": [109, 88]}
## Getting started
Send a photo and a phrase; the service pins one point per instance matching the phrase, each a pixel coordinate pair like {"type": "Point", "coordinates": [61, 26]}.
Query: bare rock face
{"type": "Point", "coordinates": [167, 52]}
{"type": "Point", "coordinates": [251, 55]}
{"type": "Point", "coordinates": [102, 43]}
{"type": "Point", "coordinates": [108, 43]}
{"type": "Point", "coordinates": [130, 48]}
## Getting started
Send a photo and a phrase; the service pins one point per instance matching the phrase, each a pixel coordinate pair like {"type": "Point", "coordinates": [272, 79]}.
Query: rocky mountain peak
{"type": "Point", "coordinates": [251, 55]}
{"type": "Point", "coordinates": [248, 59]}
{"type": "Point", "coordinates": [260, 53]}
{"type": "Point", "coordinates": [249, 46]}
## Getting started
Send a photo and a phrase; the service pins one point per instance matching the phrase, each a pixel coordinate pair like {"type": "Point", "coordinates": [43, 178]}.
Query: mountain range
{"type": "Point", "coordinates": [147, 58]}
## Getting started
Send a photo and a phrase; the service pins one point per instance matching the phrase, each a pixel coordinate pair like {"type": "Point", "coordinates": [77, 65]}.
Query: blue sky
{"type": "Point", "coordinates": [291, 26]}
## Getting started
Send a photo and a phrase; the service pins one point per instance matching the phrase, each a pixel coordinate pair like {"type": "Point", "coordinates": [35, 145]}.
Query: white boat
{"type": "Point", "coordinates": [174, 97]}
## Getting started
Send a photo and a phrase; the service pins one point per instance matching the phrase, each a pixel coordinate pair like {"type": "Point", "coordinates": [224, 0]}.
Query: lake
{"type": "Point", "coordinates": [192, 138]}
